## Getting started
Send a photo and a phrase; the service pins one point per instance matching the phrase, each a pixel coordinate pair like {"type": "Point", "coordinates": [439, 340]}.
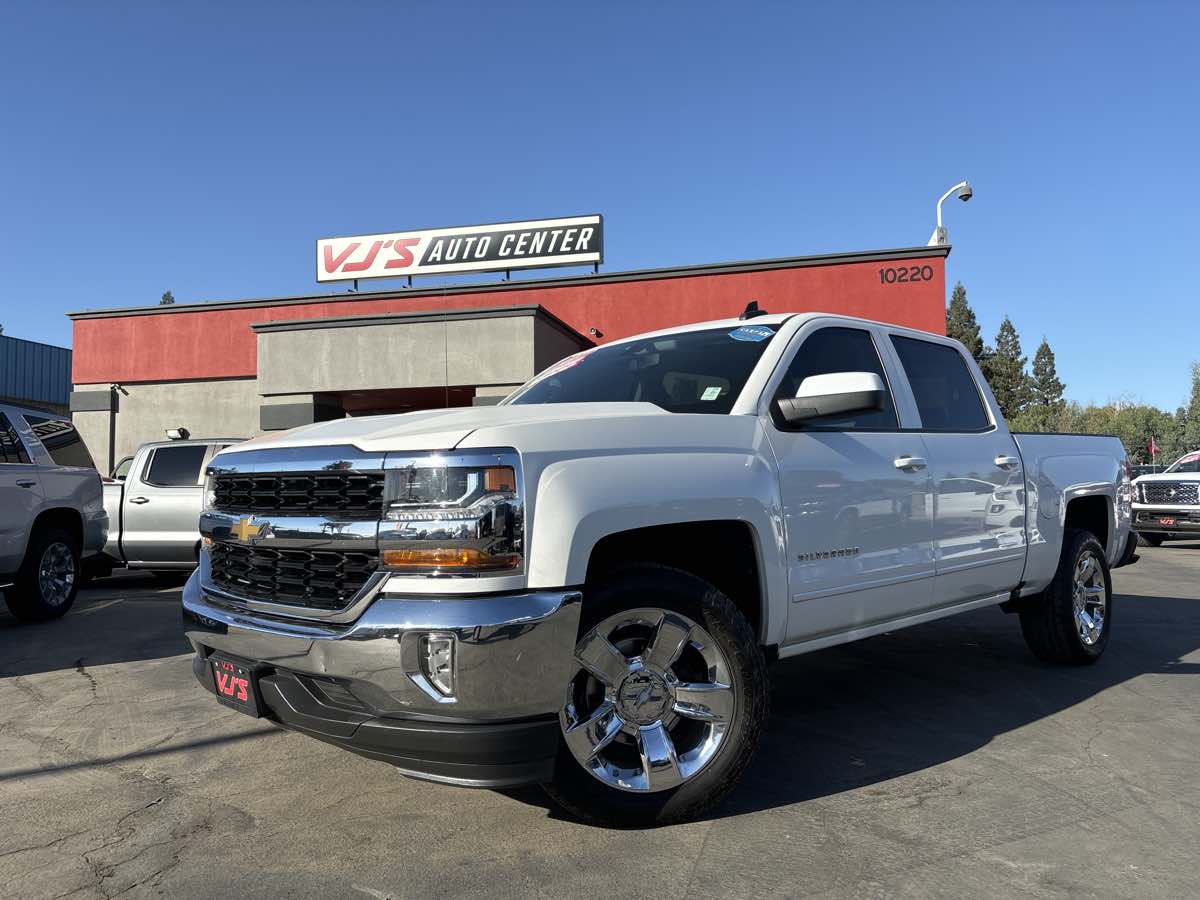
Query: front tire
{"type": "Point", "coordinates": [1152, 539]}
{"type": "Point", "coordinates": [667, 703]}
{"type": "Point", "coordinates": [1071, 621]}
{"type": "Point", "coordinates": [46, 586]}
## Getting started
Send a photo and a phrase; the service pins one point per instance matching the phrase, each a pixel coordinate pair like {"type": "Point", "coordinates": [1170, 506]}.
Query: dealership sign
{"type": "Point", "coordinates": [471, 248]}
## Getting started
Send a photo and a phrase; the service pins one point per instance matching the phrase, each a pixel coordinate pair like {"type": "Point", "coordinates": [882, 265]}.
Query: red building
{"type": "Point", "coordinates": [238, 367]}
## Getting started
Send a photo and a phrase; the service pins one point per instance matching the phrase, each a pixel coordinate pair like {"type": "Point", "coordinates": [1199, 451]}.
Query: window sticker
{"type": "Point", "coordinates": [711, 393]}
{"type": "Point", "coordinates": [751, 333]}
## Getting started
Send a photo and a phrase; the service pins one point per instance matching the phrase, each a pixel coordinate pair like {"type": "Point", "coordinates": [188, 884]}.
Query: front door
{"type": "Point", "coordinates": [161, 513]}
{"type": "Point", "coordinates": [857, 501]}
{"type": "Point", "coordinates": [20, 497]}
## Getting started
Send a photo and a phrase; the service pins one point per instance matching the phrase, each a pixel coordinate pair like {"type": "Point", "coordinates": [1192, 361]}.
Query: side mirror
{"type": "Point", "coordinates": [835, 394]}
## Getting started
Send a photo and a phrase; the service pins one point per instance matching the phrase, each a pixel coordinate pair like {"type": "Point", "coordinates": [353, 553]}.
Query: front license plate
{"type": "Point", "coordinates": [236, 685]}
{"type": "Point", "coordinates": [1166, 521]}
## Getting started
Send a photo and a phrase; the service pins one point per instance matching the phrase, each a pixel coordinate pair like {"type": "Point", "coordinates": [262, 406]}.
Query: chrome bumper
{"type": "Point", "coordinates": [512, 651]}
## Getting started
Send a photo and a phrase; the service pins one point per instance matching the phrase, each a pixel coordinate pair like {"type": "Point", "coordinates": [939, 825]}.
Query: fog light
{"type": "Point", "coordinates": [437, 661]}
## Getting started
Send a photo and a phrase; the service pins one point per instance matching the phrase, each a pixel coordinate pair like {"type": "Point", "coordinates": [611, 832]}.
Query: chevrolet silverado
{"type": "Point", "coordinates": [583, 586]}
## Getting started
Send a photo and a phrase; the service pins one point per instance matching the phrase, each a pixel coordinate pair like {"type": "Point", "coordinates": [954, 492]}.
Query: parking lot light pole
{"type": "Point", "coordinates": [939, 238]}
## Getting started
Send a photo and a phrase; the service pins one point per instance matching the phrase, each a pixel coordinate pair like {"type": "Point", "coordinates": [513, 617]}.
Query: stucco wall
{"type": "Point", "coordinates": [219, 408]}
{"type": "Point", "coordinates": [496, 350]}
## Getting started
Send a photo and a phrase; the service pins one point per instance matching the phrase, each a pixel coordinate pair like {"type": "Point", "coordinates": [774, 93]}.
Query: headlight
{"type": "Point", "coordinates": [453, 514]}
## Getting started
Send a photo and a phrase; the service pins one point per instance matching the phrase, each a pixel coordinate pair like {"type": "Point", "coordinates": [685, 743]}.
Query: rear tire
{"type": "Point", "coordinates": [46, 586]}
{"type": "Point", "coordinates": [1071, 621]}
{"type": "Point", "coordinates": [698, 710]}
{"type": "Point", "coordinates": [1152, 539]}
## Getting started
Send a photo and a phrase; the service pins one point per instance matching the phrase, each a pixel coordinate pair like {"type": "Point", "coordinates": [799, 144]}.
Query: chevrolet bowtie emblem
{"type": "Point", "coordinates": [245, 529]}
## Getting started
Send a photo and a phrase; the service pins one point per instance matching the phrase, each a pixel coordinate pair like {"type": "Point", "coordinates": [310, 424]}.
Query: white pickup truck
{"type": "Point", "coordinates": [583, 586]}
{"type": "Point", "coordinates": [1167, 505]}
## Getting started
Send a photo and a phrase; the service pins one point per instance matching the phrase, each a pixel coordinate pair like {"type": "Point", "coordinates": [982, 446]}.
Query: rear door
{"type": "Point", "coordinates": [161, 515]}
{"type": "Point", "coordinates": [857, 526]}
{"type": "Point", "coordinates": [978, 480]}
{"type": "Point", "coordinates": [20, 496]}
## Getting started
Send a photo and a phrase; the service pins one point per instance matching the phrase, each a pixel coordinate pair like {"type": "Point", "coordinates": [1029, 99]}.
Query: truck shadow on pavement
{"type": "Point", "coordinates": [125, 618]}
{"type": "Point", "coordinates": [861, 714]}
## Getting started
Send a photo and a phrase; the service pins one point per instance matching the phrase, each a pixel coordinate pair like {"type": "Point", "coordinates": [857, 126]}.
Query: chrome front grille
{"type": "Point", "coordinates": [1170, 493]}
{"type": "Point", "coordinates": [313, 579]}
{"type": "Point", "coordinates": [346, 494]}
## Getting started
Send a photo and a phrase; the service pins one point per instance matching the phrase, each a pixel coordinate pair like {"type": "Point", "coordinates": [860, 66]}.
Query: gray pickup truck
{"type": "Point", "coordinates": [153, 501]}
{"type": "Point", "coordinates": [51, 512]}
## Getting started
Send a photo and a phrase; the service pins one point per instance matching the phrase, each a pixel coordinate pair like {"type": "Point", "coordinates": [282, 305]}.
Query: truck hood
{"type": "Point", "coordinates": [439, 429]}
{"type": "Point", "coordinates": [1168, 476]}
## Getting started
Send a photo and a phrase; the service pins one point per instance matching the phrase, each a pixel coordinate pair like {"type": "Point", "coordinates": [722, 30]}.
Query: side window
{"type": "Point", "coordinates": [946, 394]}
{"type": "Point", "coordinates": [176, 466]}
{"type": "Point", "coordinates": [840, 350]}
{"type": "Point", "coordinates": [11, 448]}
{"type": "Point", "coordinates": [61, 441]}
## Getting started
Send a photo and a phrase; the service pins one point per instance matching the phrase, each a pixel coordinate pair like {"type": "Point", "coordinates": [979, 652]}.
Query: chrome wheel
{"type": "Point", "coordinates": [56, 574]}
{"type": "Point", "coordinates": [1090, 598]}
{"type": "Point", "coordinates": [651, 703]}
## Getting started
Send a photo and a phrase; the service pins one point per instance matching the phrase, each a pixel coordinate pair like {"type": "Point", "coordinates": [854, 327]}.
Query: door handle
{"type": "Point", "coordinates": [909, 463]}
{"type": "Point", "coordinates": [1006, 462]}
{"type": "Point", "coordinates": [139, 500]}
{"type": "Point", "coordinates": [25, 482]}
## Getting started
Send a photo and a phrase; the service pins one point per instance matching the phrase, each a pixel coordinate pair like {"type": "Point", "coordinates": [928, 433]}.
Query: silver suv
{"type": "Point", "coordinates": [51, 512]}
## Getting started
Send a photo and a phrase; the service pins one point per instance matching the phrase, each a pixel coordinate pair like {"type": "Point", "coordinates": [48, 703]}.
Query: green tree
{"type": "Point", "coordinates": [167, 299]}
{"type": "Point", "coordinates": [1006, 371]}
{"type": "Point", "coordinates": [1045, 408]}
{"type": "Point", "coordinates": [961, 323]}
{"type": "Point", "coordinates": [1191, 423]}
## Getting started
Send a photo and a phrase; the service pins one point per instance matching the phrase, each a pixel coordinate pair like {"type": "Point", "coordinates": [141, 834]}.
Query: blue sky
{"type": "Point", "coordinates": [202, 148]}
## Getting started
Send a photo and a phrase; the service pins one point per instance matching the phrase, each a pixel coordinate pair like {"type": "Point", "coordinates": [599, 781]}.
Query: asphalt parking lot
{"type": "Point", "coordinates": [941, 761]}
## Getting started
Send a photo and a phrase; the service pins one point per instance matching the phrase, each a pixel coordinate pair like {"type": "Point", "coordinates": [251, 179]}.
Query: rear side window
{"type": "Point", "coordinates": [946, 394]}
{"type": "Point", "coordinates": [176, 466]}
{"type": "Point", "coordinates": [832, 350]}
{"type": "Point", "coordinates": [61, 441]}
{"type": "Point", "coordinates": [11, 448]}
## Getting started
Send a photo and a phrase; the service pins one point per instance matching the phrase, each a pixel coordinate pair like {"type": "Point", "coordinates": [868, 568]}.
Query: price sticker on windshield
{"type": "Point", "coordinates": [751, 333]}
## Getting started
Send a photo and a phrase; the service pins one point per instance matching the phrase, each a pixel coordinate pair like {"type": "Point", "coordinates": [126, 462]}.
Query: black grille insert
{"type": "Point", "coordinates": [314, 579]}
{"type": "Point", "coordinates": [301, 493]}
{"type": "Point", "coordinates": [1171, 492]}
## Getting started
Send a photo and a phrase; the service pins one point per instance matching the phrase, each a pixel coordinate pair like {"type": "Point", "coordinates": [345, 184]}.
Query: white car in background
{"type": "Point", "coordinates": [1167, 505]}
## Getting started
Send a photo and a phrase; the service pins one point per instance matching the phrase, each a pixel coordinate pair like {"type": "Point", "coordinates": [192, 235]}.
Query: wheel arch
{"type": "Point", "coordinates": [654, 508]}
{"type": "Point", "coordinates": [736, 570]}
{"type": "Point", "coordinates": [1091, 513]}
{"type": "Point", "coordinates": [62, 517]}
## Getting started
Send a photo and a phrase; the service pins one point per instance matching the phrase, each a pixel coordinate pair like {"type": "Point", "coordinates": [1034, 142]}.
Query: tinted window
{"type": "Point", "coordinates": [946, 395]}
{"type": "Point", "coordinates": [11, 448]}
{"type": "Point", "coordinates": [61, 441]}
{"type": "Point", "coordinates": [687, 372]}
{"type": "Point", "coordinates": [176, 466]}
{"type": "Point", "coordinates": [840, 350]}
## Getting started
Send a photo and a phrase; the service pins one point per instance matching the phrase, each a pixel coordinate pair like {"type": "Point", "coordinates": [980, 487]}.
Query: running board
{"type": "Point", "coordinates": [855, 634]}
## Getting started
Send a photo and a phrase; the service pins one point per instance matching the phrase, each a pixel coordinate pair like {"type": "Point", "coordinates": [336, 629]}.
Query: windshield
{"type": "Point", "coordinates": [687, 372]}
{"type": "Point", "coordinates": [1189, 463]}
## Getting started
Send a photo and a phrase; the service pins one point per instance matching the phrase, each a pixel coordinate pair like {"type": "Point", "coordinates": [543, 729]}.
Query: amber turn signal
{"type": "Point", "coordinates": [424, 559]}
{"type": "Point", "coordinates": [499, 478]}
